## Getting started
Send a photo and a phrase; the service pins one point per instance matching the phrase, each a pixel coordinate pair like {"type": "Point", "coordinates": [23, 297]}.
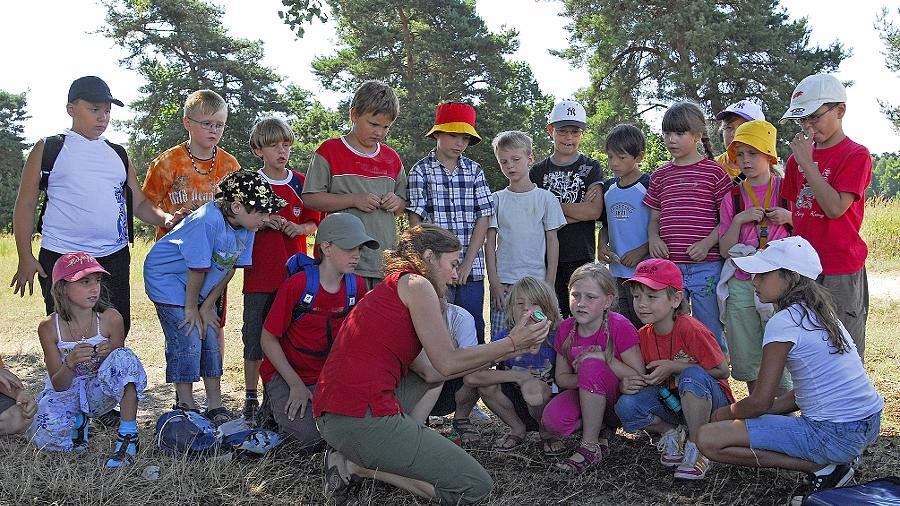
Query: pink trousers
{"type": "Point", "coordinates": [562, 416]}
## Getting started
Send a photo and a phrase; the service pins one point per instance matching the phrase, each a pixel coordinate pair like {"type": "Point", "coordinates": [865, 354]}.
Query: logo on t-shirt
{"type": "Point", "coordinates": [621, 210]}
{"type": "Point", "coordinates": [567, 186]}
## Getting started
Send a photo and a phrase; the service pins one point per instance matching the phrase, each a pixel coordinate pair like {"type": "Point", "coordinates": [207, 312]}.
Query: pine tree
{"type": "Point", "coordinates": [12, 158]}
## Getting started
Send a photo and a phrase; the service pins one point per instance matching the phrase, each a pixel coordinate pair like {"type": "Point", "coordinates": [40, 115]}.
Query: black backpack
{"type": "Point", "coordinates": [52, 146]}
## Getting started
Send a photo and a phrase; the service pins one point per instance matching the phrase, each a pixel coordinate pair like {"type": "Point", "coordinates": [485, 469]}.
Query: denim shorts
{"type": "Point", "coordinates": [821, 442]}
{"type": "Point", "coordinates": [187, 356]}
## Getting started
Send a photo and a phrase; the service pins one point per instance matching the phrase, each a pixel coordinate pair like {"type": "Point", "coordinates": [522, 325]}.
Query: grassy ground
{"type": "Point", "coordinates": [631, 475]}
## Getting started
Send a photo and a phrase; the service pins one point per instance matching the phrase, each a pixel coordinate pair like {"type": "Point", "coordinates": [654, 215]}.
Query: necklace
{"type": "Point", "coordinates": [84, 332]}
{"type": "Point", "coordinates": [212, 165]}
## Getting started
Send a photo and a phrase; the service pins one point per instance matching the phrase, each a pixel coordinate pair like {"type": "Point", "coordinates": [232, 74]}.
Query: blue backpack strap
{"type": "Point", "coordinates": [351, 292]}
{"type": "Point", "coordinates": [305, 302]}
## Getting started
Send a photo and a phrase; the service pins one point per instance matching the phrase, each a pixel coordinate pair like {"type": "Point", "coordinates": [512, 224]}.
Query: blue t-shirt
{"type": "Point", "coordinates": [626, 218]}
{"type": "Point", "coordinates": [540, 362]}
{"type": "Point", "coordinates": [203, 241]}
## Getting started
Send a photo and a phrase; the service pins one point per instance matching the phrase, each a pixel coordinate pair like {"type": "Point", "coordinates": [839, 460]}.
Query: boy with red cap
{"type": "Point", "coordinates": [450, 190]}
{"type": "Point", "coordinates": [683, 360]}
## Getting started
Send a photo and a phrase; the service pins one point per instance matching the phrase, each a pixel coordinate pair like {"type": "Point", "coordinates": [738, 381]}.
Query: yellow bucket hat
{"type": "Point", "coordinates": [457, 118]}
{"type": "Point", "coordinates": [758, 134]}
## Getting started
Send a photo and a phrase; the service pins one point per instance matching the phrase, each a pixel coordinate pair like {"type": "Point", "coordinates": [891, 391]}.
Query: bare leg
{"type": "Point", "coordinates": [593, 407]}
{"type": "Point", "coordinates": [184, 395]}
{"type": "Point", "coordinates": [465, 398]}
{"type": "Point", "coordinates": [420, 488]}
{"type": "Point", "coordinates": [12, 421]}
{"type": "Point", "coordinates": [213, 386]}
{"type": "Point", "coordinates": [501, 406]}
{"type": "Point", "coordinates": [696, 412]}
{"type": "Point", "coordinates": [128, 405]}
{"type": "Point", "coordinates": [729, 442]}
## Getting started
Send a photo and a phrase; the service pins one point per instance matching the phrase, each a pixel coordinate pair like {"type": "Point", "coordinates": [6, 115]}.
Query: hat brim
{"type": "Point", "coordinates": [755, 264]}
{"type": "Point", "coordinates": [456, 127]}
{"type": "Point", "coordinates": [100, 99]}
{"type": "Point", "coordinates": [802, 110]}
{"type": "Point", "coordinates": [350, 243]}
{"type": "Point", "coordinates": [84, 272]}
{"type": "Point", "coordinates": [652, 284]}
{"type": "Point", "coordinates": [569, 122]}
{"type": "Point", "coordinates": [721, 115]}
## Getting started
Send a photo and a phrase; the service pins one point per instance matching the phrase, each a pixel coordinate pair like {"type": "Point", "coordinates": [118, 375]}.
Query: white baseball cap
{"type": "Point", "coordinates": [745, 109]}
{"type": "Point", "coordinates": [792, 253]}
{"type": "Point", "coordinates": [812, 92]}
{"type": "Point", "coordinates": [568, 112]}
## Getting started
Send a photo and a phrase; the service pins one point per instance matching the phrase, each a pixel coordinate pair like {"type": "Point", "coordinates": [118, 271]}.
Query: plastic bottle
{"type": "Point", "coordinates": [670, 400]}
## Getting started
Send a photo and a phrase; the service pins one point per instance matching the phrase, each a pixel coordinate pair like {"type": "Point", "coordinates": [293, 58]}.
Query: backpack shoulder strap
{"type": "Point", "coordinates": [352, 291]}
{"type": "Point", "coordinates": [737, 199]}
{"type": "Point", "coordinates": [52, 146]}
{"type": "Point", "coordinates": [305, 302]}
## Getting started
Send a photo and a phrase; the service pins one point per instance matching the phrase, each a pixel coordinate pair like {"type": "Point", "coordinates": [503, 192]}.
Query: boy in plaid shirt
{"type": "Point", "coordinates": [450, 190]}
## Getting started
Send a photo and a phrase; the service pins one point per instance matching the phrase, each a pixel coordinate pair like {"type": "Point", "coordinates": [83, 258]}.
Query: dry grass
{"type": "Point", "coordinates": [631, 475]}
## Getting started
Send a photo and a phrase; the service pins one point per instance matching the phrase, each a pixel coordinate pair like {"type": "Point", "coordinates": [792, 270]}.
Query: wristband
{"type": "Point", "coordinates": [510, 337]}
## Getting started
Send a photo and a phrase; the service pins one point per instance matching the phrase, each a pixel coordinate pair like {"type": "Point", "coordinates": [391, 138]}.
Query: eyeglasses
{"type": "Point", "coordinates": [209, 125]}
{"type": "Point", "coordinates": [812, 118]}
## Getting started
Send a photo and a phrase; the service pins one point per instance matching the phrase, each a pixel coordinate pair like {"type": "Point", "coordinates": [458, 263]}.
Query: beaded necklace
{"type": "Point", "coordinates": [212, 165]}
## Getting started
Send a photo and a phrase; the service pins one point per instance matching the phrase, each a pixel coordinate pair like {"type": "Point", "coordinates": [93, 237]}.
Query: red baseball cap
{"type": "Point", "coordinates": [658, 273]}
{"type": "Point", "coordinates": [76, 265]}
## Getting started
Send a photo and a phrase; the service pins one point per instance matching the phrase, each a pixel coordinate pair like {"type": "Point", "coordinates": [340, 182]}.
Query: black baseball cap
{"type": "Point", "coordinates": [92, 89]}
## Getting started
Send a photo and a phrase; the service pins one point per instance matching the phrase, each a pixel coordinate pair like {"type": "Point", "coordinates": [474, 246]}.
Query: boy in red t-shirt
{"type": "Point", "coordinates": [826, 178]}
{"type": "Point", "coordinates": [683, 360]}
{"type": "Point", "coordinates": [285, 234]}
{"type": "Point", "coordinates": [295, 350]}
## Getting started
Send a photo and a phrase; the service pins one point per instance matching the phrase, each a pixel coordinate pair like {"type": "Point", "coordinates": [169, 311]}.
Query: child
{"type": "Point", "coordinates": [520, 387]}
{"type": "Point", "coordinates": [826, 178]}
{"type": "Point", "coordinates": [684, 198]}
{"type": "Point", "coordinates": [87, 206]}
{"type": "Point", "coordinates": [450, 190]}
{"type": "Point", "coordinates": [17, 406]}
{"type": "Point", "coordinates": [623, 239]}
{"type": "Point", "coordinates": [188, 269]}
{"type": "Point", "coordinates": [187, 175]}
{"type": "Point", "coordinates": [683, 360]}
{"type": "Point", "coordinates": [840, 410]}
{"type": "Point", "coordinates": [88, 368]}
{"type": "Point", "coordinates": [521, 240]}
{"type": "Point", "coordinates": [296, 348]}
{"type": "Point", "coordinates": [598, 349]}
{"type": "Point", "coordinates": [729, 120]}
{"type": "Point", "coordinates": [358, 174]}
{"type": "Point", "coordinates": [571, 177]}
{"type": "Point", "coordinates": [748, 219]}
{"type": "Point", "coordinates": [282, 237]}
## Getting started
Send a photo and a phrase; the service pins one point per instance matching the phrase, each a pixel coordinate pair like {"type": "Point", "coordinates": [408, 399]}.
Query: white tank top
{"type": "Point", "coordinates": [86, 204]}
{"type": "Point", "coordinates": [65, 347]}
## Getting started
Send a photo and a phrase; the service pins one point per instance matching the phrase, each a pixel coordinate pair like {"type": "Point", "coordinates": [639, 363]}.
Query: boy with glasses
{"type": "Point", "coordinates": [826, 178]}
{"type": "Point", "coordinates": [187, 175]}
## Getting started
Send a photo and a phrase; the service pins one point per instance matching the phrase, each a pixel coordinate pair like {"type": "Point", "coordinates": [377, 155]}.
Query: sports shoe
{"type": "Point", "coordinates": [479, 417]}
{"type": "Point", "coordinates": [127, 446]}
{"type": "Point", "coordinates": [671, 444]}
{"type": "Point", "coordinates": [250, 412]}
{"type": "Point", "coordinates": [837, 478]}
{"type": "Point", "coordinates": [80, 433]}
{"type": "Point", "coordinates": [695, 465]}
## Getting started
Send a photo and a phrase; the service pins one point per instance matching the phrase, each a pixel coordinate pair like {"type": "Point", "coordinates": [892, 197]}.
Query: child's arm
{"type": "Point", "coordinates": [780, 216]}
{"type": "Point", "coordinates": [490, 258]}
{"type": "Point", "coordinates": [332, 202]}
{"type": "Point", "coordinates": [413, 218]}
{"type": "Point", "coordinates": [392, 203]}
{"type": "Point", "coordinates": [492, 377]}
{"type": "Point", "coordinates": [833, 203]}
{"type": "Point", "coordinates": [604, 251]}
{"type": "Point", "coordinates": [662, 370]}
{"type": "Point", "coordinates": [700, 249]}
{"type": "Point", "coordinates": [299, 395]}
{"type": "Point", "coordinates": [732, 235]}
{"type": "Point", "coordinates": [658, 248]}
{"type": "Point", "coordinates": [633, 257]}
{"type": "Point", "coordinates": [23, 223]}
{"type": "Point", "coordinates": [475, 245]}
{"type": "Point", "coordinates": [632, 362]}
{"type": "Point", "coordinates": [552, 256]}
{"type": "Point", "coordinates": [208, 308]}
{"type": "Point", "coordinates": [566, 377]}
{"type": "Point", "coordinates": [113, 326]}
{"type": "Point", "coordinates": [588, 210]}
{"type": "Point", "coordinates": [763, 400]}
{"type": "Point", "coordinates": [147, 211]}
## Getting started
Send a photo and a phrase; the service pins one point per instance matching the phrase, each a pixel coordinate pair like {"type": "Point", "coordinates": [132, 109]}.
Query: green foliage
{"type": "Point", "coordinates": [180, 46]}
{"type": "Point", "coordinates": [890, 34]}
{"type": "Point", "coordinates": [885, 175]}
{"type": "Point", "coordinates": [430, 52]}
{"type": "Point", "coordinates": [12, 117]}
{"type": "Point", "coordinates": [642, 55]}
{"type": "Point", "coordinates": [312, 123]}
{"type": "Point", "coordinates": [881, 231]}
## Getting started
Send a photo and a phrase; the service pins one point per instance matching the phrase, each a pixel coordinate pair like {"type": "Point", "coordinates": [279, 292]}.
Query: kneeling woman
{"type": "Point", "coordinates": [840, 409]}
{"type": "Point", "coordinates": [361, 401]}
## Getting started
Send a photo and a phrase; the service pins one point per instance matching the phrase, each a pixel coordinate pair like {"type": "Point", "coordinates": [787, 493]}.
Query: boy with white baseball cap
{"type": "Point", "coordinates": [826, 178]}
{"type": "Point", "coordinates": [731, 118]}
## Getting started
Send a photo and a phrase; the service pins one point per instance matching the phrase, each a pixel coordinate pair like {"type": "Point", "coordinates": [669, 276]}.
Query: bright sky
{"type": "Point", "coordinates": [49, 43]}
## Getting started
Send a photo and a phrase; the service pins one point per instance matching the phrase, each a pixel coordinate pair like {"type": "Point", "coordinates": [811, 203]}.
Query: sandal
{"type": "Point", "coordinates": [342, 490]}
{"type": "Point", "coordinates": [219, 415]}
{"type": "Point", "coordinates": [553, 447]}
{"type": "Point", "coordinates": [508, 443]}
{"type": "Point", "coordinates": [466, 430]}
{"type": "Point", "coordinates": [591, 458]}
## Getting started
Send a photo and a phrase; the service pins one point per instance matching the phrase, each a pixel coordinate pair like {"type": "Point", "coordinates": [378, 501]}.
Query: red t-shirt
{"type": "Point", "coordinates": [309, 332]}
{"type": "Point", "coordinates": [687, 198]}
{"type": "Point", "coordinates": [847, 166]}
{"type": "Point", "coordinates": [272, 248]}
{"type": "Point", "coordinates": [689, 341]}
{"type": "Point", "coordinates": [370, 356]}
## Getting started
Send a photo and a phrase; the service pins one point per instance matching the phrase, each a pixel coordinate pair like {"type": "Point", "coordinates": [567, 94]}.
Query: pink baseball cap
{"type": "Point", "coordinates": [658, 273]}
{"type": "Point", "coordinates": [76, 265]}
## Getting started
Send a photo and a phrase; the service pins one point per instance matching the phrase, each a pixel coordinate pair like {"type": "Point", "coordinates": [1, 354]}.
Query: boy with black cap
{"type": "Point", "coordinates": [296, 348]}
{"type": "Point", "coordinates": [826, 178]}
{"type": "Point", "coordinates": [90, 193]}
{"type": "Point", "coordinates": [570, 175]}
{"type": "Point", "coordinates": [189, 268]}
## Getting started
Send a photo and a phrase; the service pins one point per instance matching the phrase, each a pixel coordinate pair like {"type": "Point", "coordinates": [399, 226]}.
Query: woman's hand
{"type": "Point", "coordinates": [527, 334]}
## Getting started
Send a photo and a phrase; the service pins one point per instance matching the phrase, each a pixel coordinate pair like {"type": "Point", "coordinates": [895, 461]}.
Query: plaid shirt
{"type": "Point", "coordinates": [454, 202]}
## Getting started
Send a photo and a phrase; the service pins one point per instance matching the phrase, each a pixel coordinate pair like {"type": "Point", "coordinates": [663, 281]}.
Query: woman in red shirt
{"type": "Point", "coordinates": [362, 397]}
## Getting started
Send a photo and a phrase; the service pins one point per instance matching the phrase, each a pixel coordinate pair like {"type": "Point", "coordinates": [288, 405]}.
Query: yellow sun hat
{"type": "Point", "coordinates": [758, 134]}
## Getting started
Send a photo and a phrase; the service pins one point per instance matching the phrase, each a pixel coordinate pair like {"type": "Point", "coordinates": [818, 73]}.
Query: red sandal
{"type": "Point", "coordinates": [592, 458]}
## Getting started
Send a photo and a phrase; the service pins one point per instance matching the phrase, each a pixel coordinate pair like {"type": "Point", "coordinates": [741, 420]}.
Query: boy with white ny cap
{"type": "Point", "coordinates": [731, 118]}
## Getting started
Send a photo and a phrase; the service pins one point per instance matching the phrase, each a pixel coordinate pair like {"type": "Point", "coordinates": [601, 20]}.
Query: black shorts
{"type": "Point", "coordinates": [6, 402]}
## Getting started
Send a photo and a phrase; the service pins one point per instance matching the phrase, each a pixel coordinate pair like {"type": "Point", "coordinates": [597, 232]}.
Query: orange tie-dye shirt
{"type": "Point", "coordinates": [172, 181]}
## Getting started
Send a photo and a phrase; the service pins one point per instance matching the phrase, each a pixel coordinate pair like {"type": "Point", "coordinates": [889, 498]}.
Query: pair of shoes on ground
{"type": "Point", "coordinates": [217, 416]}
{"type": "Point", "coordinates": [838, 477]}
{"type": "Point", "coordinates": [682, 454]}
{"type": "Point", "coordinates": [341, 486]}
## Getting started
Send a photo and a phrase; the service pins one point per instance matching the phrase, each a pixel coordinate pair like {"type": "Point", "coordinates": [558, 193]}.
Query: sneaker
{"type": "Point", "coordinates": [127, 446]}
{"type": "Point", "coordinates": [250, 412]}
{"type": "Point", "coordinates": [479, 417]}
{"type": "Point", "coordinates": [695, 465]}
{"type": "Point", "coordinates": [671, 444]}
{"type": "Point", "coordinates": [219, 415]}
{"type": "Point", "coordinates": [80, 434]}
{"type": "Point", "coordinates": [837, 478]}
{"type": "Point", "coordinates": [108, 420]}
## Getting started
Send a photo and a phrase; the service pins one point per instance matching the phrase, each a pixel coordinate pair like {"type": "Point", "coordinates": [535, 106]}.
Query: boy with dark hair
{"type": "Point", "coordinates": [569, 175]}
{"type": "Point", "coordinates": [358, 174]}
{"type": "Point", "coordinates": [826, 178]}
